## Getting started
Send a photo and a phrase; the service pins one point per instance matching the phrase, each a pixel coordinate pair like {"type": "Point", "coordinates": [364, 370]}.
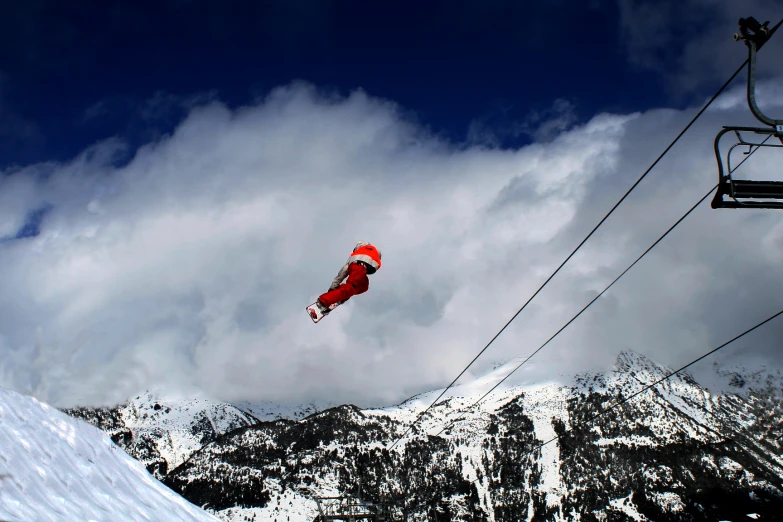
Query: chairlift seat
{"type": "Point", "coordinates": [738, 190]}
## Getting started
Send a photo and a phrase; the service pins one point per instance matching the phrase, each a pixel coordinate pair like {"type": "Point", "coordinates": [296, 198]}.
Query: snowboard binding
{"type": "Point", "coordinates": [317, 312]}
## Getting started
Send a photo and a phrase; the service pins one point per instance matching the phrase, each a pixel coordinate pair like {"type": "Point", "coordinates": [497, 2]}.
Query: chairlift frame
{"type": "Point", "coordinates": [767, 194]}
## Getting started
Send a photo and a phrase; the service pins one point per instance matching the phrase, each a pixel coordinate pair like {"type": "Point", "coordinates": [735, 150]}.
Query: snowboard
{"type": "Point", "coordinates": [315, 312]}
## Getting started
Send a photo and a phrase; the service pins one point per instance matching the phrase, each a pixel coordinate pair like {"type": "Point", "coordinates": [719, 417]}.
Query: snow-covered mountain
{"type": "Point", "coordinates": [163, 431]}
{"type": "Point", "coordinates": [54, 467]}
{"type": "Point", "coordinates": [680, 451]}
{"type": "Point", "coordinates": [270, 411]}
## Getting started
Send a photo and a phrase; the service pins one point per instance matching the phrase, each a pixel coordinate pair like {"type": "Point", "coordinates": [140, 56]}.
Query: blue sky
{"type": "Point", "coordinates": [180, 179]}
{"type": "Point", "coordinates": [73, 73]}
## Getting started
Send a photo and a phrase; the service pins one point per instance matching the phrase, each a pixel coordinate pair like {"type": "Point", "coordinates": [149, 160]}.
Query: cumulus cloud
{"type": "Point", "coordinates": [190, 266]}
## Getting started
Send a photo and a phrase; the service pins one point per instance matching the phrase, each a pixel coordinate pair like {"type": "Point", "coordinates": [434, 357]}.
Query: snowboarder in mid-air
{"type": "Point", "coordinates": [365, 259]}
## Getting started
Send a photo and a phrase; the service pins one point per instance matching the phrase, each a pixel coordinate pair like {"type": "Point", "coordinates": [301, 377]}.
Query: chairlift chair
{"type": "Point", "coordinates": [736, 193]}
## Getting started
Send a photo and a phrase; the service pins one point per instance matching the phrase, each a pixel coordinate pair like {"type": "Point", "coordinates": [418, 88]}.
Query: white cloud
{"type": "Point", "coordinates": [191, 265]}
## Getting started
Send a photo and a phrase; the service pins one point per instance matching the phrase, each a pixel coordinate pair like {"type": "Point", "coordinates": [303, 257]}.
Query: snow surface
{"type": "Point", "coordinates": [626, 506]}
{"type": "Point", "coordinates": [171, 422]}
{"type": "Point", "coordinates": [464, 396]}
{"type": "Point", "coordinates": [543, 406]}
{"type": "Point", "coordinates": [754, 375]}
{"type": "Point", "coordinates": [54, 467]}
{"type": "Point", "coordinates": [283, 507]}
{"type": "Point", "coordinates": [668, 500]}
{"type": "Point", "coordinates": [270, 411]}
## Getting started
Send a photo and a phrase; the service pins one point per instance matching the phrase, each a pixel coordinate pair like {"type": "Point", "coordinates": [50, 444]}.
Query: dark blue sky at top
{"type": "Point", "coordinates": [74, 73]}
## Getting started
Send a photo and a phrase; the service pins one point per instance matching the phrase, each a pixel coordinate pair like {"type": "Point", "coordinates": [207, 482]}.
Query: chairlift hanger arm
{"type": "Point", "coordinates": [755, 36]}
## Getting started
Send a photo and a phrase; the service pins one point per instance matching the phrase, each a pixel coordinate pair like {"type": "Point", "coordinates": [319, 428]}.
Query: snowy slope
{"type": "Point", "coordinates": [53, 467]}
{"type": "Point", "coordinates": [739, 379]}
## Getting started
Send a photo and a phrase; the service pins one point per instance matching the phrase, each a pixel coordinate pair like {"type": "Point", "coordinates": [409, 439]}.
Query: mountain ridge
{"type": "Point", "coordinates": [655, 453]}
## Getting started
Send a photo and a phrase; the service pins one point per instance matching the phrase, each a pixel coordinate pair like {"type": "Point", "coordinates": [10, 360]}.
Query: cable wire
{"type": "Point", "coordinates": [583, 309]}
{"type": "Point", "coordinates": [649, 386]}
{"type": "Point", "coordinates": [588, 305]}
{"type": "Point", "coordinates": [638, 181]}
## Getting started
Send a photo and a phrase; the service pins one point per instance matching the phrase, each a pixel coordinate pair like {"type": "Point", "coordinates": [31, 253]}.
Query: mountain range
{"type": "Point", "coordinates": [679, 451]}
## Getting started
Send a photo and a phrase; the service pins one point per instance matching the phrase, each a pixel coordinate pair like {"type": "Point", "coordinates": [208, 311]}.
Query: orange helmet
{"type": "Point", "coordinates": [367, 254]}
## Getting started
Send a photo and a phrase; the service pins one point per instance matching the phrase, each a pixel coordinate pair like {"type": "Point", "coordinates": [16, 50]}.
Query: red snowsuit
{"type": "Point", "coordinates": [357, 283]}
{"type": "Point", "coordinates": [364, 257]}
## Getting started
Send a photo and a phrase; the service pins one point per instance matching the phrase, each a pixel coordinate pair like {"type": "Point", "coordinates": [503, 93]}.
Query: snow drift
{"type": "Point", "coordinates": [54, 467]}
